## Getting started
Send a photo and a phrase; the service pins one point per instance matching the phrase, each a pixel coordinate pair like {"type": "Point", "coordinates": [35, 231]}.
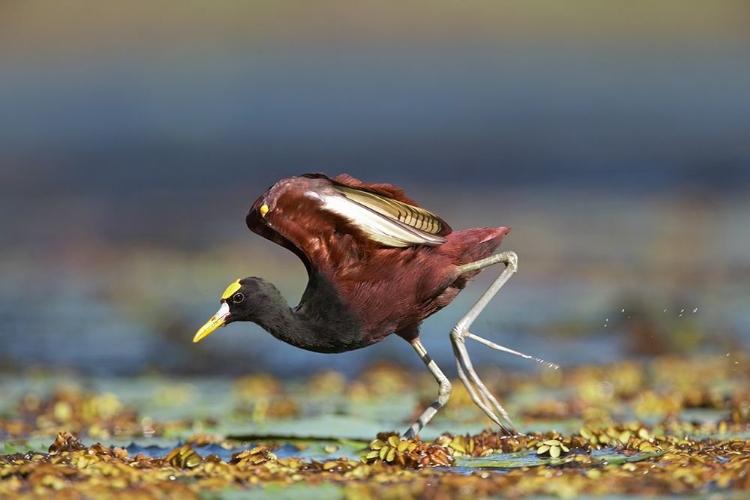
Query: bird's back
{"type": "Point", "coordinates": [386, 288]}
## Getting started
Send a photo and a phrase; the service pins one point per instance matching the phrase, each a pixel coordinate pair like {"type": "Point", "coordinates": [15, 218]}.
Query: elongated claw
{"type": "Point", "coordinates": [499, 347]}
{"type": "Point", "coordinates": [478, 391]}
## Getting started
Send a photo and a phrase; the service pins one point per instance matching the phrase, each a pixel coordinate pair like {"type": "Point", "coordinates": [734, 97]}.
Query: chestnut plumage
{"type": "Point", "coordinates": [377, 264]}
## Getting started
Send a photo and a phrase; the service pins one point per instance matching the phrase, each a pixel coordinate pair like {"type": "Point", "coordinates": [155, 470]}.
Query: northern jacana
{"type": "Point", "coordinates": [377, 264]}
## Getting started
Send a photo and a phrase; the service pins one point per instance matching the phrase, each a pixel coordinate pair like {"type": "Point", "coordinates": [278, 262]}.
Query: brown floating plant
{"type": "Point", "coordinates": [407, 453]}
{"type": "Point", "coordinates": [682, 466]}
{"type": "Point", "coordinates": [670, 456]}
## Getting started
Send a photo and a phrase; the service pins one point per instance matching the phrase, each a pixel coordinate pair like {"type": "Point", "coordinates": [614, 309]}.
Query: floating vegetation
{"type": "Point", "coordinates": [552, 447]}
{"type": "Point", "coordinates": [184, 457]}
{"type": "Point", "coordinates": [407, 453]}
{"type": "Point", "coordinates": [668, 427]}
{"type": "Point", "coordinates": [682, 467]}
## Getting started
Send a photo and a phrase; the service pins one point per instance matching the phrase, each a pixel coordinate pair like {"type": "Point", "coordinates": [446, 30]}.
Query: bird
{"type": "Point", "coordinates": [377, 264]}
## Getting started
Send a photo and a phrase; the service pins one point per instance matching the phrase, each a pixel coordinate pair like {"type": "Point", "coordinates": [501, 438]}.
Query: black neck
{"type": "Point", "coordinates": [286, 325]}
{"type": "Point", "coordinates": [320, 322]}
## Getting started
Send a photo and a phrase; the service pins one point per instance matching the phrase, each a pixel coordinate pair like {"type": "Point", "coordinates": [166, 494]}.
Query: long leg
{"type": "Point", "coordinates": [444, 391]}
{"type": "Point", "coordinates": [480, 394]}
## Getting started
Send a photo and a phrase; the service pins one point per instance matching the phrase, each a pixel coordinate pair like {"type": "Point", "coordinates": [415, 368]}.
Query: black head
{"type": "Point", "coordinates": [244, 300]}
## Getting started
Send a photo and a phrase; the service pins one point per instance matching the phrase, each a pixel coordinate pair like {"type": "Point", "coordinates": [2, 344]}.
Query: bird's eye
{"type": "Point", "coordinates": [237, 298]}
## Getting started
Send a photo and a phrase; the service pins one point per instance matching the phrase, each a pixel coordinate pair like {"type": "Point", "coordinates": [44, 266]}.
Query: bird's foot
{"type": "Point", "coordinates": [478, 391]}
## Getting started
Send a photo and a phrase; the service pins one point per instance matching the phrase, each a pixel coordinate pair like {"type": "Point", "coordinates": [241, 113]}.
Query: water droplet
{"type": "Point", "coordinates": [682, 310]}
{"type": "Point", "coordinates": [665, 310]}
{"type": "Point", "coordinates": [695, 310]}
{"type": "Point", "coordinates": [623, 310]}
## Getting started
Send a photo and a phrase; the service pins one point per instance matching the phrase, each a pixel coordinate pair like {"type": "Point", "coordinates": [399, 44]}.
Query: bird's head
{"type": "Point", "coordinates": [241, 301]}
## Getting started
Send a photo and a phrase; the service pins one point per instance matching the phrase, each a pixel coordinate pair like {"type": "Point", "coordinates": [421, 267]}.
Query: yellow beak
{"type": "Point", "coordinates": [216, 321]}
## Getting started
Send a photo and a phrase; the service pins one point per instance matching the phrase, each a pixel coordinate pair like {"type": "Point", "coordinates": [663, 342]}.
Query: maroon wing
{"type": "Point", "coordinates": [337, 222]}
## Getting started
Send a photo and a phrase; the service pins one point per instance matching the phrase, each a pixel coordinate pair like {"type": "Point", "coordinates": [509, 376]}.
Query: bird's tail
{"type": "Point", "coordinates": [476, 243]}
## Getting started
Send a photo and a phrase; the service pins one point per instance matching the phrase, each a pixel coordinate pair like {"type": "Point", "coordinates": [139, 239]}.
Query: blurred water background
{"type": "Point", "coordinates": [614, 137]}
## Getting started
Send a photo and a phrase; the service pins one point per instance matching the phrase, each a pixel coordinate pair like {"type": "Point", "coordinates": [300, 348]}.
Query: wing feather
{"type": "Point", "coordinates": [416, 217]}
{"type": "Point", "coordinates": [385, 220]}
